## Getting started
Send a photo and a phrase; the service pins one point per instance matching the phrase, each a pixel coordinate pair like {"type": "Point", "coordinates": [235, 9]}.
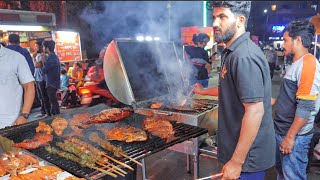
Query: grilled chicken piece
{"type": "Point", "coordinates": [160, 128]}
{"type": "Point", "coordinates": [156, 105]}
{"type": "Point", "coordinates": [126, 134]}
{"type": "Point", "coordinates": [28, 159]}
{"type": "Point", "coordinates": [110, 115]}
{"type": "Point", "coordinates": [58, 125]}
{"type": "Point", "coordinates": [2, 171]}
{"type": "Point", "coordinates": [39, 139]}
{"type": "Point", "coordinates": [43, 127]}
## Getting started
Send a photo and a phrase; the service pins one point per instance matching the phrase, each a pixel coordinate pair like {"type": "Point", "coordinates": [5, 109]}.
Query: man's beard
{"type": "Point", "coordinates": [227, 36]}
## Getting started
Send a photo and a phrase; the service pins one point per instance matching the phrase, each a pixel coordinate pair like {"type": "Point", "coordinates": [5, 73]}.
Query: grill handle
{"type": "Point", "coordinates": [163, 113]}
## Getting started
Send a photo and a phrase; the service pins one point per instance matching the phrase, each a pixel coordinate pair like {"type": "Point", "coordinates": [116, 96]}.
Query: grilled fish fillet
{"type": "Point", "coordinates": [110, 115]}
{"type": "Point", "coordinates": [38, 140]}
{"type": "Point", "coordinates": [126, 134]}
{"type": "Point", "coordinates": [160, 128]}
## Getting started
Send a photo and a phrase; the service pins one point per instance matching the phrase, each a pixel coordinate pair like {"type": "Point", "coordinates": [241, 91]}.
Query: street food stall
{"type": "Point", "coordinates": [101, 142]}
{"type": "Point", "coordinates": [148, 77]}
{"type": "Point", "coordinates": [32, 26]}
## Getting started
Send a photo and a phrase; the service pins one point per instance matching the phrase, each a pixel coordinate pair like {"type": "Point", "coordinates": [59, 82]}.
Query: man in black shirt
{"type": "Point", "coordinates": [246, 140]}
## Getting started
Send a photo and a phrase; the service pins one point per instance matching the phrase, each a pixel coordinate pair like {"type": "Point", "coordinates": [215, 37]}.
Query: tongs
{"type": "Point", "coordinates": [212, 176]}
{"type": "Point", "coordinates": [184, 101]}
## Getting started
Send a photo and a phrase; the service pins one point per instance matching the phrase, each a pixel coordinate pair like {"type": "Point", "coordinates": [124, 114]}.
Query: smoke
{"type": "Point", "coordinates": [156, 19]}
{"type": "Point", "coordinates": [128, 19]}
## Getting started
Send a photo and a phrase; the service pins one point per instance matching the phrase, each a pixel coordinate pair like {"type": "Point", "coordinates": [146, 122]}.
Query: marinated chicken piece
{"type": "Point", "coordinates": [160, 128]}
{"type": "Point", "coordinates": [18, 164]}
{"type": "Point", "coordinates": [35, 175]}
{"type": "Point", "coordinates": [126, 134]}
{"type": "Point", "coordinates": [39, 139]}
{"type": "Point", "coordinates": [52, 170]}
{"type": "Point", "coordinates": [44, 128]}
{"type": "Point", "coordinates": [14, 177]}
{"type": "Point", "coordinates": [58, 125]}
{"type": "Point", "coordinates": [110, 115]}
{"type": "Point", "coordinates": [30, 160]}
{"type": "Point", "coordinates": [2, 171]}
{"type": "Point", "coordinates": [156, 105]}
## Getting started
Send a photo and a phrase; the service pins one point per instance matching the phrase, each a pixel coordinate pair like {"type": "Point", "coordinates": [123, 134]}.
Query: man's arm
{"type": "Point", "coordinates": [198, 88]}
{"type": "Point", "coordinates": [29, 93]}
{"type": "Point", "coordinates": [288, 141]}
{"type": "Point", "coordinates": [249, 129]}
{"type": "Point", "coordinates": [304, 109]}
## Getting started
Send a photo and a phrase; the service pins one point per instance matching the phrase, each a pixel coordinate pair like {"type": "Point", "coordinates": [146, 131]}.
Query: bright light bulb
{"type": "Point", "coordinates": [140, 38]}
{"type": "Point", "coordinates": [148, 38]}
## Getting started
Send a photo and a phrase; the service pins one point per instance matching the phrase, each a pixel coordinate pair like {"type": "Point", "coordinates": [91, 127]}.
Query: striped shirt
{"type": "Point", "coordinates": [298, 95]}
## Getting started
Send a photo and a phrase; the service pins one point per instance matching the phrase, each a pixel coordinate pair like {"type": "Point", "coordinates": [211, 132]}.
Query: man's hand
{"type": "Point", "coordinates": [21, 120]}
{"type": "Point", "coordinates": [286, 145]}
{"type": "Point", "coordinates": [273, 101]}
{"type": "Point", "coordinates": [197, 88]}
{"type": "Point", "coordinates": [231, 170]}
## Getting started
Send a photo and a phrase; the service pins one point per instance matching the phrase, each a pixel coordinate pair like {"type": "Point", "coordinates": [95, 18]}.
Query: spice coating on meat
{"type": "Point", "coordinates": [58, 125]}
{"type": "Point", "coordinates": [160, 128]}
{"type": "Point", "coordinates": [110, 115]}
{"type": "Point", "coordinates": [39, 139]}
{"type": "Point", "coordinates": [126, 134]}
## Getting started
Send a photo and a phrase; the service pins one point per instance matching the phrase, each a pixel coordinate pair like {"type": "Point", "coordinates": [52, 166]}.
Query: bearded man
{"type": "Point", "coordinates": [246, 140]}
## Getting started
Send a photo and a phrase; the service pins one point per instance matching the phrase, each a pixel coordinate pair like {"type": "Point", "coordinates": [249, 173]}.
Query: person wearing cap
{"type": "Point", "coordinates": [14, 44]}
{"type": "Point", "coordinates": [16, 88]}
{"type": "Point", "coordinates": [246, 136]}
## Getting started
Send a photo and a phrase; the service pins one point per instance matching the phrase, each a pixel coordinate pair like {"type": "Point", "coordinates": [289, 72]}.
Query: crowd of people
{"type": "Point", "coordinates": [41, 75]}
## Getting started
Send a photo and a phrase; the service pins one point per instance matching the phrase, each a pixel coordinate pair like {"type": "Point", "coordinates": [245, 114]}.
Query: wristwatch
{"type": "Point", "coordinates": [25, 115]}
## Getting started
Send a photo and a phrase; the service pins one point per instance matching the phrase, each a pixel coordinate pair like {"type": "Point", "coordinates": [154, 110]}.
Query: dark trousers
{"type": "Point", "coordinates": [66, 94]}
{"type": "Point", "coordinates": [54, 105]}
{"type": "Point", "coordinates": [272, 67]}
{"type": "Point", "coordinates": [43, 97]}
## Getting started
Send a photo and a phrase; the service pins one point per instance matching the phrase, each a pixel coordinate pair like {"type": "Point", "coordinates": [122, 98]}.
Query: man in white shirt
{"type": "Point", "coordinates": [16, 82]}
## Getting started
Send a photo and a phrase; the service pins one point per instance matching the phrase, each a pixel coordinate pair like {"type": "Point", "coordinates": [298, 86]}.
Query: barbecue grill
{"type": "Point", "coordinates": [136, 150]}
{"type": "Point", "coordinates": [141, 73]}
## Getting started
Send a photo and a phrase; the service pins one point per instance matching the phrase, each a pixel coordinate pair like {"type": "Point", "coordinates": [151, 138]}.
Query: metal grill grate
{"type": "Point", "coordinates": [137, 150]}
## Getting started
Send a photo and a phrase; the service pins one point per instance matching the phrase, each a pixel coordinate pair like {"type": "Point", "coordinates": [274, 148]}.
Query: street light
{"type": "Point", "coordinates": [265, 10]}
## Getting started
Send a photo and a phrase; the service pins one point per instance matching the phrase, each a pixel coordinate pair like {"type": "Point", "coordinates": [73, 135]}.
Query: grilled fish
{"type": "Point", "coordinates": [38, 140]}
{"type": "Point", "coordinates": [110, 116]}
{"type": "Point", "coordinates": [160, 128]}
{"type": "Point", "coordinates": [126, 134]}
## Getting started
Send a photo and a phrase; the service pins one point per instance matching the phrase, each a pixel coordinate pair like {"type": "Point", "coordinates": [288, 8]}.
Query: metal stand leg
{"type": "Point", "coordinates": [143, 169]}
{"type": "Point", "coordinates": [188, 164]}
{"type": "Point", "coordinates": [196, 166]}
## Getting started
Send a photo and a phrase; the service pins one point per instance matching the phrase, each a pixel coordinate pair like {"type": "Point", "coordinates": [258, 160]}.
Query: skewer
{"type": "Point", "coordinates": [111, 169]}
{"type": "Point", "coordinates": [106, 145]}
{"type": "Point", "coordinates": [131, 159]}
{"type": "Point", "coordinates": [111, 166]}
{"type": "Point", "coordinates": [104, 171]}
{"type": "Point", "coordinates": [121, 163]}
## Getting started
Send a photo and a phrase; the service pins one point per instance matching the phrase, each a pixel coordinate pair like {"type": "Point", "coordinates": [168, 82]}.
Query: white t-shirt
{"type": "Point", "coordinates": [14, 71]}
